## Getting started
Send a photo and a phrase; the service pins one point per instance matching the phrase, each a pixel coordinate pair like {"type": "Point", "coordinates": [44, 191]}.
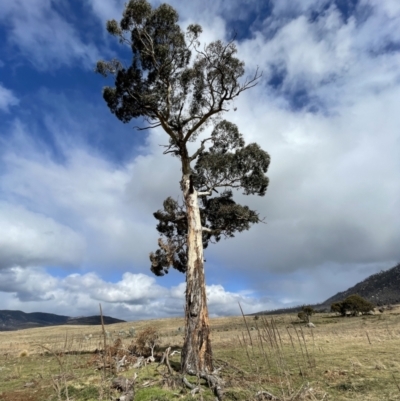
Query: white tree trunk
{"type": "Point", "coordinates": [196, 352]}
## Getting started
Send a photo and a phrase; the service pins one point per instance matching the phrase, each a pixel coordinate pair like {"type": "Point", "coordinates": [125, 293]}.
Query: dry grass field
{"type": "Point", "coordinates": [355, 358]}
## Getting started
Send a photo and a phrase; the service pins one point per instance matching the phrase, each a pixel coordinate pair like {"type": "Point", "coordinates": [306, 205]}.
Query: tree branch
{"type": "Point", "coordinates": [165, 126]}
{"type": "Point", "coordinates": [144, 128]}
{"type": "Point", "coordinates": [170, 149]}
{"type": "Point", "coordinates": [210, 231]}
{"type": "Point", "coordinates": [201, 122]}
{"type": "Point", "coordinates": [200, 150]}
{"type": "Point", "coordinates": [204, 193]}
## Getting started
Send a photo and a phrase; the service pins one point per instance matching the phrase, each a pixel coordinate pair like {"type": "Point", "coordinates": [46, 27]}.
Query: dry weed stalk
{"type": "Point", "coordinates": [295, 352]}
{"type": "Point", "coordinates": [63, 374]}
{"type": "Point", "coordinates": [273, 347]}
{"type": "Point", "coordinates": [395, 382]}
{"type": "Point", "coordinates": [105, 342]}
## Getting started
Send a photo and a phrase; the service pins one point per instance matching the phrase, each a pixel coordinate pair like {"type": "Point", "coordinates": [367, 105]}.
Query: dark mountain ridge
{"type": "Point", "coordinates": [17, 320]}
{"type": "Point", "coordinates": [381, 288]}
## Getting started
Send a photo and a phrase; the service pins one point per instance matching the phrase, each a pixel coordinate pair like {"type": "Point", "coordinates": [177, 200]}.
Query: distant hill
{"type": "Point", "coordinates": [382, 288]}
{"type": "Point", "coordinates": [17, 320]}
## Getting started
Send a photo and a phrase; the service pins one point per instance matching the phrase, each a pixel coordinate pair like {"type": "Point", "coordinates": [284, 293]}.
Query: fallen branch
{"type": "Point", "coordinates": [165, 360]}
{"type": "Point", "coordinates": [120, 363]}
{"type": "Point", "coordinates": [138, 363]}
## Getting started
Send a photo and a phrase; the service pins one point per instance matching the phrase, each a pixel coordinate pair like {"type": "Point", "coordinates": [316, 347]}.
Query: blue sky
{"type": "Point", "coordinates": [78, 187]}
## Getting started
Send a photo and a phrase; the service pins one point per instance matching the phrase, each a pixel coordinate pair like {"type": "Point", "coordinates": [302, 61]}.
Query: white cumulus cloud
{"type": "Point", "coordinates": [135, 296]}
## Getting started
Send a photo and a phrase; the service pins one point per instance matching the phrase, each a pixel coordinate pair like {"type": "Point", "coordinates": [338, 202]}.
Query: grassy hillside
{"type": "Point", "coordinates": [341, 359]}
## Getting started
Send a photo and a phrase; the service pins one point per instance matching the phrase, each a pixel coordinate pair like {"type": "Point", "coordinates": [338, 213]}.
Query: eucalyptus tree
{"type": "Point", "coordinates": [174, 83]}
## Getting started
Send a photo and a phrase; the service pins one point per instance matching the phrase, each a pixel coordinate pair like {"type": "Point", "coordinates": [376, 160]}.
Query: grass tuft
{"type": "Point", "coordinates": [24, 353]}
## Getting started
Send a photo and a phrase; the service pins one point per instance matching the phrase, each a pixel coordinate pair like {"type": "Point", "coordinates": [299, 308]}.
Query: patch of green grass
{"type": "Point", "coordinates": [82, 393]}
{"type": "Point", "coordinates": [154, 394]}
{"type": "Point", "coordinates": [237, 394]}
{"type": "Point", "coordinates": [16, 372]}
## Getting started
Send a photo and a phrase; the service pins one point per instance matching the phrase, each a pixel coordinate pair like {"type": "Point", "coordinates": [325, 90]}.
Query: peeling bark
{"type": "Point", "coordinates": [196, 352]}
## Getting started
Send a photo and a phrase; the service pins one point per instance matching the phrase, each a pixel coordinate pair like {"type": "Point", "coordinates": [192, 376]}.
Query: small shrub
{"type": "Point", "coordinates": [305, 314]}
{"type": "Point", "coordinates": [302, 316]}
{"type": "Point", "coordinates": [147, 340]}
{"type": "Point", "coordinates": [132, 347]}
{"type": "Point", "coordinates": [24, 353]}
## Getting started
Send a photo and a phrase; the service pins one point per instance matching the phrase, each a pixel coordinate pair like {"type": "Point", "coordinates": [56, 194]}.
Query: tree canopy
{"type": "Point", "coordinates": [164, 84]}
{"type": "Point", "coordinates": [353, 305]}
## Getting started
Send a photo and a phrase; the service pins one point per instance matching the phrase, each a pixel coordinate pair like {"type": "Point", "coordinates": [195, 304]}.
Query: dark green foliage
{"type": "Point", "coordinates": [223, 216]}
{"type": "Point", "coordinates": [356, 304]}
{"type": "Point", "coordinates": [173, 226]}
{"type": "Point", "coordinates": [160, 53]}
{"type": "Point", "coordinates": [353, 305]}
{"type": "Point", "coordinates": [306, 312]}
{"type": "Point", "coordinates": [229, 163]}
{"type": "Point", "coordinates": [302, 316]}
{"type": "Point", "coordinates": [336, 307]}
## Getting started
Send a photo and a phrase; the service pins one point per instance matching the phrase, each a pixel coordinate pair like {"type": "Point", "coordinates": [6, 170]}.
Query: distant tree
{"type": "Point", "coordinates": [357, 304]}
{"type": "Point", "coordinates": [302, 316]}
{"type": "Point", "coordinates": [353, 305]}
{"type": "Point", "coordinates": [337, 307]}
{"type": "Point", "coordinates": [308, 310]}
{"type": "Point", "coordinates": [168, 89]}
{"type": "Point", "coordinates": [305, 314]}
